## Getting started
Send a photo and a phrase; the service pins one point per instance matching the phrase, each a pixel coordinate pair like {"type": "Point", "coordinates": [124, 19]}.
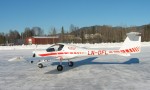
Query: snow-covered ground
{"type": "Point", "coordinates": [101, 45]}
{"type": "Point", "coordinates": [110, 72]}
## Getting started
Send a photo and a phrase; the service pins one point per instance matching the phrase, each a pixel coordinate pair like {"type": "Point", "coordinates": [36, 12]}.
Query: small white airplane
{"type": "Point", "coordinates": [132, 44]}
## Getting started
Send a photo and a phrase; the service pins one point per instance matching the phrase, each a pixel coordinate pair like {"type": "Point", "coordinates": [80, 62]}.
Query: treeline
{"type": "Point", "coordinates": [14, 37]}
{"type": "Point", "coordinates": [105, 33]}
{"type": "Point", "coordinates": [92, 34]}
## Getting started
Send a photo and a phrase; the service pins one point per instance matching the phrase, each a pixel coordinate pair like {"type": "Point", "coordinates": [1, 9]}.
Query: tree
{"type": "Point", "coordinates": [93, 30]}
{"type": "Point", "coordinates": [13, 36]}
{"type": "Point", "coordinates": [82, 36]}
{"type": "Point", "coordinates": [62, 34]}
{"type": "Point", "coordinates": [52, 31]}
{"type": "Point", "coordinates": [27, 33]}
{"type": "Point", "coordinates": [2, 38]}
{"type": "Point", "coordinates": [72, 28]}
{"type": "Point", "coordinates": [146, 33]}
{"type": "Point", "coordinates": [37, 31]}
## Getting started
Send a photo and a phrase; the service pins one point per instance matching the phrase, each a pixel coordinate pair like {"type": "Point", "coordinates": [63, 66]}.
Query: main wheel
{"type": "Point", "coordinates": [70, 64]}
{"type": "Point", "coordinates": [59, 67]}
{"type": "Point", "coordinates": [40, 65]}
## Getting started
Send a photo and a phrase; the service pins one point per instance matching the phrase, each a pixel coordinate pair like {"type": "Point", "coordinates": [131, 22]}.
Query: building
{"type": "Point", "coordinates": [42, 40]}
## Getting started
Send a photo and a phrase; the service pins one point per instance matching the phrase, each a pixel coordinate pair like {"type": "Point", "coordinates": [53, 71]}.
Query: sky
{"type": "Point", "coordinates": [19, 14]}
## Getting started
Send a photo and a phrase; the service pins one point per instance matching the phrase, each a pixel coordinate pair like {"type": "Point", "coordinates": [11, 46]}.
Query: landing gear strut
{"type": "Point", "coordinates": [60, 67]}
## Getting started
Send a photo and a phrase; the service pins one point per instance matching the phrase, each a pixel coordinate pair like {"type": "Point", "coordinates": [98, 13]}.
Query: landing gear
{"type": "Point", "coordinates": [70, 63]}
{"type": "Point", "coordinates": [40, 65]}
{"type": "Point", "coordinates": [43, 63]}
{"type": "Point", "coordinates": [59, 67]}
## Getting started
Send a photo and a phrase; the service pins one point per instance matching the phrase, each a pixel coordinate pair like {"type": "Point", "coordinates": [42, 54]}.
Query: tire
{"type": "Point", "coordinates": [31, 61]}
{"type": "Point", "coordinates": [59, 67]}
{"type": "Point", "coordinates": [70, 64]}
{"type": "Point", "coordinates": [40, 65]}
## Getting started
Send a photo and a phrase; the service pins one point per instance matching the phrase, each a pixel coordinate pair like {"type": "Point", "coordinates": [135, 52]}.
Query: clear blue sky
{"type": "Point", "coordinates": [18, 14]}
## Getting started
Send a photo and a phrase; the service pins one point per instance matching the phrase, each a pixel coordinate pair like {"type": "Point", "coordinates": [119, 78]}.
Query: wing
{"type": "Point", "coordinates": [37, 59]}
{"type": "Point", "coordinates": [31, 59]}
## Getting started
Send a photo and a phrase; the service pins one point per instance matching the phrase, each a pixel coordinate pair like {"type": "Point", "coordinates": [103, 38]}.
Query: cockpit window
{"type": "Point", "coordinates": [56, 47]}
{"type": "Point", "coordinates": [50, 49]}
{"type": "Point", "coordinates": [60, 47]}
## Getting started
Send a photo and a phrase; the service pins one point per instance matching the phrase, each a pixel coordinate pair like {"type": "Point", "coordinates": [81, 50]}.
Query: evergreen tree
{"type": "Point", "coordinates": [62, 34]}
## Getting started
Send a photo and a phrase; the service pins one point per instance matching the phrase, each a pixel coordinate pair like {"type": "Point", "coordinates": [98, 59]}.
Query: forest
{"type": "Point", "coordinates": [91, 34]}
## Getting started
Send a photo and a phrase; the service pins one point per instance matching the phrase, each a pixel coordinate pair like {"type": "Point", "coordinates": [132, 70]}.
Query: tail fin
{"type": "Point", "coordinates": [132, 44]}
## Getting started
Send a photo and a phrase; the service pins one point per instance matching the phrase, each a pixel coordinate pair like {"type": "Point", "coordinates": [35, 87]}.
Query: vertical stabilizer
{"type": "Point", "coordinates": [132, 43]}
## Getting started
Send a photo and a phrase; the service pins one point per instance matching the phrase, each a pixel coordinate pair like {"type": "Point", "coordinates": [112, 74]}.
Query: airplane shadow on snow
{"type": "Point", "coordinates": [87, 62]}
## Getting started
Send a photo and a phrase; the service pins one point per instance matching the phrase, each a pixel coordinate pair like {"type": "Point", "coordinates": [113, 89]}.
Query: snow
{"type": "Point", "coordinates": [96, 45]}
{"type": "Point", "coordinates": [96, 73]}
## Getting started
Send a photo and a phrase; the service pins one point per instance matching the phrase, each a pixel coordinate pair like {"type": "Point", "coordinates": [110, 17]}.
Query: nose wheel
{"type": "Point", "coordinates": [40, 65]}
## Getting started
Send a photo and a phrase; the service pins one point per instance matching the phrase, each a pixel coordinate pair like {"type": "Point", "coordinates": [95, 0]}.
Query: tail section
{"type": "Point", "coordinates": [132, 44]}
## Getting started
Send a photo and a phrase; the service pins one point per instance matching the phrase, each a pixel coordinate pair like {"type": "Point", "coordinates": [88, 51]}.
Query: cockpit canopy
{"type": "Point", "coordinates": [56, 47]}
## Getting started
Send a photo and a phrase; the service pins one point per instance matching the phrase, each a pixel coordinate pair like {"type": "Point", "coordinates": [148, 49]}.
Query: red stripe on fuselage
{"type": "Point", "coordinates": [48, 54]}
{"type": "Point", "coordinates": [60, 53]}
{"type": "Point", "coordinates": [137, 49]}
{"type": "Point", "coordinates": [133, 50]}
{"type": "Point", "coordinates": [130, 50]}
{"type": "Point", "coordinates": [71, 52]}
{"type": "Point", "coordinates": [123, 51]}
{"type": "Point", "coordinates": [127, 50]}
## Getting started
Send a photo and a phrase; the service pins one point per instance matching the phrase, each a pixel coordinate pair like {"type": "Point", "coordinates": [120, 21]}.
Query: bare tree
{"type": "Point", "coordinates": [146, 33]}
{"type": "Point", "coordinates": [13, 36]}
{"type": "Point", "coordinates": [52, 31]}
{"type": "Point", "coordinates": [37, 31]}
{"type": "Point", "coordinates": [27, 33]}
{"type": "Point", "coordinates": [2, 38]}
{"type": "Point", "coordinates": [82, 36]}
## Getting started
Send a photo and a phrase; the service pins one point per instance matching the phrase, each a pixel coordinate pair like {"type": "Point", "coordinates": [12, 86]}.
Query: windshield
{"type": "Point", "coordinates": [57, 47]}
